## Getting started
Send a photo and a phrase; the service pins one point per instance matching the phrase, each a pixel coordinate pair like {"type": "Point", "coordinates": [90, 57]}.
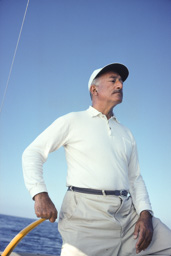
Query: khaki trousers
{"type": "Point", "coordinates": [95, 225]}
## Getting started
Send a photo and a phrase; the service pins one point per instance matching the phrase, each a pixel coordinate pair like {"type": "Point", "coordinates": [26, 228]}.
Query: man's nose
{"type": "Point", "coordinates": [119, 84]}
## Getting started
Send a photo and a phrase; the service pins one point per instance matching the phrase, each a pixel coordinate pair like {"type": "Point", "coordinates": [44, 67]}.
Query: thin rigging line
{"type": "Point", "coordinates": [6, 87]}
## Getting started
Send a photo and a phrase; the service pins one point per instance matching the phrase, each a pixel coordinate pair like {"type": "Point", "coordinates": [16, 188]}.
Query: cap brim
{"type": "Point", "coordinates": [116, 67]}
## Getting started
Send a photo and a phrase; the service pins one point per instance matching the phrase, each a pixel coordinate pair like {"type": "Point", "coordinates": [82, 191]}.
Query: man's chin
{"type": "Point", "coordinates": [118, 102]}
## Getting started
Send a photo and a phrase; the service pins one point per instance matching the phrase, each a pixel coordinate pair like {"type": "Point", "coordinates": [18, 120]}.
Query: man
{"type": "Point", "coordinates": [106, 210]}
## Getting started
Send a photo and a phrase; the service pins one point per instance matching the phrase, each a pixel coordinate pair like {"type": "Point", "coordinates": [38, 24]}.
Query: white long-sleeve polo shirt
{"type": "Point", "coordinates": [100, 153]}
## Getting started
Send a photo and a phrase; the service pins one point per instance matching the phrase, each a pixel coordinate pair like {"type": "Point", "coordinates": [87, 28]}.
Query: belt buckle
{"type": "Point", "coordinates": [122, 193]}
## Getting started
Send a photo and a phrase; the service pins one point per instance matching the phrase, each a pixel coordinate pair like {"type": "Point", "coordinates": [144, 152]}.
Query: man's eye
{"type": "Point", "coordinates": [114, 80]}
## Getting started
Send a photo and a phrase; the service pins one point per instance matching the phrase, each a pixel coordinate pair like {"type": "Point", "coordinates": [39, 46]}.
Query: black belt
{"type": "Point", "coordinates": [99, 192]}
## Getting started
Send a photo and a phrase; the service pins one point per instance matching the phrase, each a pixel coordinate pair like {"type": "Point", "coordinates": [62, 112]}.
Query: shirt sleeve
{"type": "Point", "coordinates": [138, 189]}
{"type": "Point", "coordinates": [36, 154]}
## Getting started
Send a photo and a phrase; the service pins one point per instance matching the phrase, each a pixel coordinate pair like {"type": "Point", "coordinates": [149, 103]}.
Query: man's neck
{"type": "Point", "coordinates": [108, 112]}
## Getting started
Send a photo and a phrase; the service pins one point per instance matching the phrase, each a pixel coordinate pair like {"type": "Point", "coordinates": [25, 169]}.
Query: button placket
{"type": "Point", "coordinates": [110, 128]}
{"type": "Point", "coordinates": [108, 124]}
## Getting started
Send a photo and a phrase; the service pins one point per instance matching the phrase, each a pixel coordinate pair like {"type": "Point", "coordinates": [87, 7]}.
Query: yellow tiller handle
{"type": "Point", "coordinates": [10, 247]}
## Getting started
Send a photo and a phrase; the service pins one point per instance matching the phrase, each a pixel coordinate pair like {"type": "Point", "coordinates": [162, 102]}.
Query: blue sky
{"type": "Point", "coordinates": [62, 42]}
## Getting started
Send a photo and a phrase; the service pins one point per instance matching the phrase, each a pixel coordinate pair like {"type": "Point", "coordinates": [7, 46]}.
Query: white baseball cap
{"type": "Point", "coordinates": [116, 67]}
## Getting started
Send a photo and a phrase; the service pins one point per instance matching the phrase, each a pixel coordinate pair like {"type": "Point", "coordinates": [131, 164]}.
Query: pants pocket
{"type": "Point", "coordinates": [69, 206]}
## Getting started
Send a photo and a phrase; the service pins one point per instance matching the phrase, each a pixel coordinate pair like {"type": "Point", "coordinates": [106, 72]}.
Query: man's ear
{"type": "Point", "coordinates": [93, 89]}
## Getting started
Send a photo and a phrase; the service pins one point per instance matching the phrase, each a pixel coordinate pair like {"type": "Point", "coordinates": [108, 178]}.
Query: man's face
{"type": "Point", "coordinates": [109, 88]}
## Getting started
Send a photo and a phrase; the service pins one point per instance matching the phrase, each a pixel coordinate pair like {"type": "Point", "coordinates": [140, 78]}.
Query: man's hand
{"type": "Point", "coordinates": [44, 207]}
{"type": "Point", "coordinates": [143, 231]}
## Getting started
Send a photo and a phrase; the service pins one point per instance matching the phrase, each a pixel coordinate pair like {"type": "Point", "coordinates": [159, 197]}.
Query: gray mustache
{"type": "Point", "coordinates": [118, 91]}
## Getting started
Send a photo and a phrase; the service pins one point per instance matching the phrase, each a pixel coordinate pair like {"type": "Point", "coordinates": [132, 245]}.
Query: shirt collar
{"type": "Point", "coordinates": [94, 112]}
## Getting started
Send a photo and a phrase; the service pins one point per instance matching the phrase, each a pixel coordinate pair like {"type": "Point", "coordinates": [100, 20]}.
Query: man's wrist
{"type": "Point", "coordinates": [146, 213]}
{"type": "Point", "coordinates": [40, 196]}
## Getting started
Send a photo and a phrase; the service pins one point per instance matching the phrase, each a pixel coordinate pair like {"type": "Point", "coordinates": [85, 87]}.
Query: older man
{"type": "Point", "coordinates": [106, 210]}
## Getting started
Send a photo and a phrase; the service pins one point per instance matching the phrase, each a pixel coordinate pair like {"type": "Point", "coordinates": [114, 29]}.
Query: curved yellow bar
{"type": "Point", "coordinates": [10, 247]}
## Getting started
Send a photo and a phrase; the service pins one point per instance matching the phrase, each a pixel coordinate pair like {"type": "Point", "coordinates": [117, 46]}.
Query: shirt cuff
{"type": "Point", "coordinates": [37, 189]}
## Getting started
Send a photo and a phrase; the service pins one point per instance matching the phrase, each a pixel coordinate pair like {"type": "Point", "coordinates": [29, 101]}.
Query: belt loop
{"type": "Point", "coordinates": [103, 192]}
{"type": "Point", "coordinates": [71, 188]}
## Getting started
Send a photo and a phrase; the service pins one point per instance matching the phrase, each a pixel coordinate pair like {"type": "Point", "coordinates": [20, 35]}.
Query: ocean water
{"type": "Point", "coordinates": [44, 239]}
